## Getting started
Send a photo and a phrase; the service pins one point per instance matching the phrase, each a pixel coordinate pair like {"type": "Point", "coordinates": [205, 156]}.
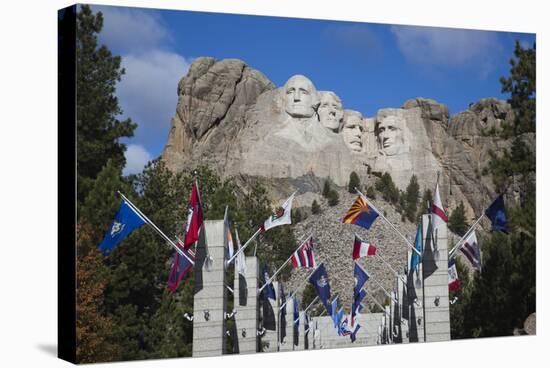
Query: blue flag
{"type": "Point", "coordinates": [296, 322]}
{"type": "Point", "coordinates": [356, 304]}
{"type": "Point", "coordinates": [319, 280]}
{"type": "Point", "coordinates": [333, 309]}
{"type": "Point", "coordinates": [282, 323]}
{"type": "Point", "coordinates": [497, 214]}
{"type": "Point", "coordinates": [361, 277]}
{"type": "Point", "coordinates": [126, 221]}
{"type": "Point", "coordinates": [269, 290]}
{"type": "Point", "coordinates": [353, 334]}
{"type": "Point", "coordinates": [415, 258]}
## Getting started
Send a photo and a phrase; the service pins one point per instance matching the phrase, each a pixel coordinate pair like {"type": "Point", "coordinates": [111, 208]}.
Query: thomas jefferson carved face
{"type": "Point", "coordinates": [330, 111]}
{"type": "Point", "coordinates": [300, 97]}
{"type": "Point", "coordinates": [390, 135]}
{"type": "Point", "coordinates": [352, 130]}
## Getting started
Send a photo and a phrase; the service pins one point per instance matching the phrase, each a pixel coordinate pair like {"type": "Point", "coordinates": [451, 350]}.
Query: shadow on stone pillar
{"type": "Point", "coordinates": [209, 305]}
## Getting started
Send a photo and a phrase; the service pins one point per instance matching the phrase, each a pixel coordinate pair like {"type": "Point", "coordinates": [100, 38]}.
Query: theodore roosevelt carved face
{"type": "Point", "coordinates": [300, 97]}
{"type": "Point", "coordinates": [353, 129]}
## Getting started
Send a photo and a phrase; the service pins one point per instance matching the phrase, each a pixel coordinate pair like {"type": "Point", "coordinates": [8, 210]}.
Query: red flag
{"type": "Point", "coordinates": [194, 218]}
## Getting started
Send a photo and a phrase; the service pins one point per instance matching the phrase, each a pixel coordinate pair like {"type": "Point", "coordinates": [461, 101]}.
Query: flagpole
{"type": "Point", "coordinates": [283, 265]}
{"type": "Point", "coordinates": [409, 244]}
{"type": "Point", "coordinates": [456, 247]}
{"type": "Point", "coordinates": [385, 291]}
{"type": "Point", "coordinates": [311, 304]}
{"type": "Point", "coordinates": [159, 231]}
{"type": "Point", "coordinates": [299, 286]}
{"type": "Point", "coordinates": [244, 246]}
{"type": "Point", "coordinates": [391, 268]}
{"type": "Point", "coordinates": [376, 302]}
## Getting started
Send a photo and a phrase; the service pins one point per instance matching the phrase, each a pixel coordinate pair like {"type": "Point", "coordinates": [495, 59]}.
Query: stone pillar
{"type": "Point", "coordinates": [209, 328]}
{"type": "Point", "coordinates": [301, 334]}
{"type": "Point", "coordinates": [246, 307]}
{"type": "Point", "coordinates": [269, 339]}
{"type": "Point", "coordinates": [436, 282]}
{"type": "Point", "coordinates": [402, 322]}
{"type": "Point", "coordinates": [288, 344]}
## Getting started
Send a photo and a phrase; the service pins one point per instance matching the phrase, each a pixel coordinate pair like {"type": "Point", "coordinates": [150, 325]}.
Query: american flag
{"type": "Point", "coordinates": [303, 256]}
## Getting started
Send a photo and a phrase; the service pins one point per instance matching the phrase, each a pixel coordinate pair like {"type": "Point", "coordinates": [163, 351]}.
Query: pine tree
{"type": "Point", "coordinates": [354, 182]}
{"type": "Point", "coordinates": [98, 127]}
{"type": "Point", "coordinates": [411, 199]}
{"type": "Point", "coordinates": [521, 84]}
{"type": "Point", "coordinates": [326, 188]}
{"type": "Point", "coordinates": [333, 198]}
{"type": "Point", "coordinates": [457, 220]}
{"type": "Point", "coordinates": [370, 192]}
{"type": "Point", "coordinates": [387, 187]}
{"type": "Point", "coordinates": [315, 208]}
{"type": "Point", "coordinates": [425, 203]}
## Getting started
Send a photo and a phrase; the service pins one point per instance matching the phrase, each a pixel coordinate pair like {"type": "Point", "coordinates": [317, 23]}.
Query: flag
{"type": "Point", "coordinates": [240, 262]}
{"type": "Point", "coordinates": [497, 214]}
{"type": "Point", "coordinates": [361, 213]}
{"type": "Point", "coordinates": [470, 248]}
{"type": "Point", "coordinates": [303, 256]}
{"type": "Point", "coordinates": [440, 217]}
{"type": "Point", "coordinates": [415, 258]}
{"type": "Point", "coordinates": [454, 282]}
{"type": "Point", "coordinates": [356, 304]}
{"type": "Point", "coordinates": [281, 216]}
{"type": "Point", "coordinates": [282, 320]}
{"type": "Point", "coordinates": [126, 220]}
{"type": "Point", "coordinates": [306, 331]}
{"type": "Point", "coordinates": [296, 319]}
{"type": "Point", "coordinates": [361, 277]}
{"type": "Point", "coordinates": [319, 280]}
{"type": "Point", "coordinates": [180, 268]}
{"type": "Point", "coordinates": [343, 328]}
{"type": "Point", "coordinates": [230, 246]}
{"type": "Point", "coordinates": [194, 217]}
{"type": "Point", "coordinates": [353, 335]}
{"type": "Point", "coordinates": [334, 309]}
{"type": "Point", "coordinates": [362, 249]}
{"type": "Point", "coordinates": [268, 291]}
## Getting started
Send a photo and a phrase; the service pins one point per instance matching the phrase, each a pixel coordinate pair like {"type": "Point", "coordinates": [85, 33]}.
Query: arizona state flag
{"type": "Point", "coordinates": [361, 213]}
{"type": "Point", "coordinates": [194, 218]}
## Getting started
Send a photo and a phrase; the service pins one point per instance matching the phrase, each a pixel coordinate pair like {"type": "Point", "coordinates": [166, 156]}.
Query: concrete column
{"type": "Point", "coordinates": [246, 305]}
{"type": "Point", "coordinates": [209, 328]}
{"type": "Point", "coordinates": [301, 335]}
{"type": "Point", "coordinates": [436, 282]}
{"type": "Point", "coordinates": [288, 344]}
{"type": "Point", "coordinates": [269, 339]}
{"type": "Point", "coordinates": [402, 322]}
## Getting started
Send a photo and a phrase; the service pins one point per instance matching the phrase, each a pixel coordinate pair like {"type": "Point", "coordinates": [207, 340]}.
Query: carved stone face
{"type": "Point", "coordinates": [352, 131]}
{"type": "Point", "coordinates": [300, 97]}
{"type": "Point", "coordinates": [330, 111]}
{"type": "Point", "coordinates": [390, 135]}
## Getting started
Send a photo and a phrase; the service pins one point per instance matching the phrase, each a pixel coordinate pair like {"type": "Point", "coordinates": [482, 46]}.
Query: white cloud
{"type": "Point", "coordinates": [136, 159]}
{"type": "Point", "coordinates": [130, 30]}
{"type": "Point", "coordinates": [446, 47]}
{"type": "Point", "coordinates": [148, 90]}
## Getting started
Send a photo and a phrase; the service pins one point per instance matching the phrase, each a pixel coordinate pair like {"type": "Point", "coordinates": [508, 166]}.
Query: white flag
{"type": "Point", "coordinates": [440, 217]}
{"type": "Point", "coordinates": [281, 215]}
{"type": "Point", "coordinates": [240, 262]}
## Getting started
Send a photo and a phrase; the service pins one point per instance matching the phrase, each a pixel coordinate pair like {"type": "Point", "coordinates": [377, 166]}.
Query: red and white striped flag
{"type": "Point", "coordinates": [470, 248]}
{"type": "Point", "coordinates": [437, 209]}
{"type": "Point", "coordinates": [362, 249]}
{"type": "Point", "coordinates": [304, 256]}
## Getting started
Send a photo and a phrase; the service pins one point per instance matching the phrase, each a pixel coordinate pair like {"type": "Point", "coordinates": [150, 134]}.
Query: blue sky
{"type": "Point", "coordinates": [370, 66]}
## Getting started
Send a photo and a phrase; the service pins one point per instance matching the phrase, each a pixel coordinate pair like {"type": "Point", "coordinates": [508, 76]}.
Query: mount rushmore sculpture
{"type": "Point", "coordinates": [233, 118]}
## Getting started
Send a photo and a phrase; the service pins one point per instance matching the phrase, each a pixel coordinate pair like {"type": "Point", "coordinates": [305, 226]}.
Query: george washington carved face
{"type": "Point", "coordinates": [300, 97]}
